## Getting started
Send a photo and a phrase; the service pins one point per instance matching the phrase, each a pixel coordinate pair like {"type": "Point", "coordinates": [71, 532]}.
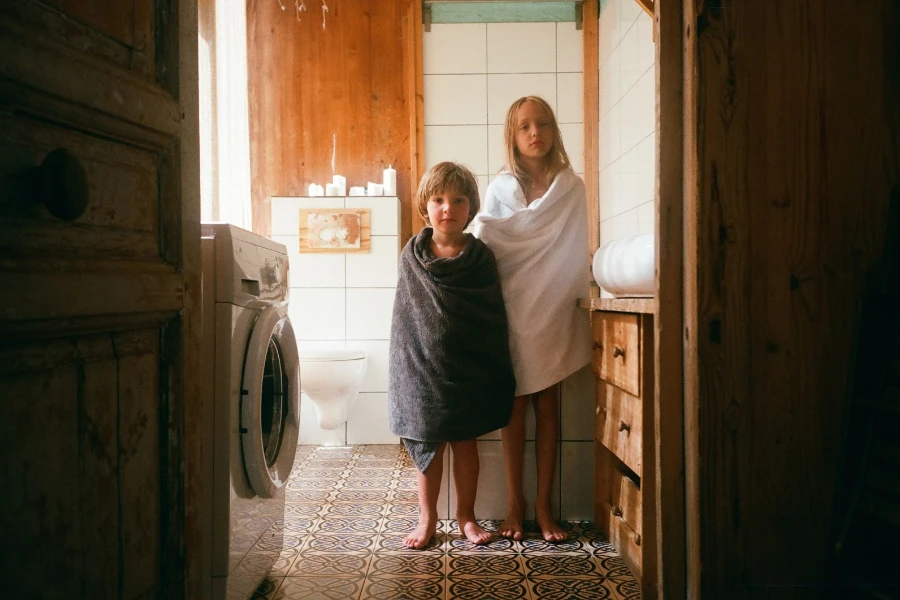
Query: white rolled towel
{"type": "Point", "coordinates": [626, 266]}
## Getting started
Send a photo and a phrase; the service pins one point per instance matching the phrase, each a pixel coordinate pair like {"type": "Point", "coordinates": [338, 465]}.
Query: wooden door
{"type": "Point", "coordinates": [98, 317]}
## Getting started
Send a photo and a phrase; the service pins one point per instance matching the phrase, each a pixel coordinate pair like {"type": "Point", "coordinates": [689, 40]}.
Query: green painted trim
{"type": "Point", "coordinates": [503, 12]}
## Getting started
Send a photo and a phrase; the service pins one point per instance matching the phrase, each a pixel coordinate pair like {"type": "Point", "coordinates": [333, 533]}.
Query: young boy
{"type": "Point", "coordinates": [451, 377]}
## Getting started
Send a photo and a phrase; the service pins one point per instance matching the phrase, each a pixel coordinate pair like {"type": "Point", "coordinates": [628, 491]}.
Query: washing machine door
{"type": "Point", "coordinates": [270, 402]}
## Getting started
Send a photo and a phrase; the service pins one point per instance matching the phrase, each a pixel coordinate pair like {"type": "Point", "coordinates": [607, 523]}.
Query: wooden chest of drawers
{"type": "Point", "coordinates": [624, 477]}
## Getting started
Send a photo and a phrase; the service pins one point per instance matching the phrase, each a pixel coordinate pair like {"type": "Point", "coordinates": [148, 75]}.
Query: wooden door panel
{"type": "Point", "coordinates": [98, 329]}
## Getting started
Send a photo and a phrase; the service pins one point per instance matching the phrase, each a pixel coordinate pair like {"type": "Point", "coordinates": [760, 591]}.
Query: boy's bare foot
{"type": "Point", "coordinates": [513, 527]}
{"type": "Point", "coordinates": [474, 532]}
{"type": "Point", "coordinates": [421, 535]}
{"type": "Point", "coordinates": [550, 529]}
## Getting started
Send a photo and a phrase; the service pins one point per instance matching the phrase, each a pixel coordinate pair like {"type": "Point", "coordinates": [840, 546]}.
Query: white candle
{"type": "Point", "coordinates": [390, 182]}
{"type": "Point", "coordinates": [332, 189]}
{"type": "Point", "coordinates": [341, 182]}
{"type": "Point", "coordinates": [372, 189]}
{"type": "Point", "coordinates": [313, 189]}
{"type": "Point", "coordinates": [357, 190]}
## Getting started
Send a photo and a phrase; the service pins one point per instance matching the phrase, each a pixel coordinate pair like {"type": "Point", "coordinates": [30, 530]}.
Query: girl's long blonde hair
{"type": "Point", "coordinates": [557, 158]}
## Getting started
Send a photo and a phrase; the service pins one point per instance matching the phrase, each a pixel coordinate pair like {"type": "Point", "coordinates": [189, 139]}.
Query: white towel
{"type": "Point", "coordinates": [543, 258]}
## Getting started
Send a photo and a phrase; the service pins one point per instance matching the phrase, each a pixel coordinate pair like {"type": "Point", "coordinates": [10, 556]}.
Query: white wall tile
{"type": "Point", "coordinates": [570, 98]}
{"type": "Point", "coordinates": [455, 48]}
{"type": "Point", "coordinates": [646, 157]}
{"type": "Point", "coordinates": [608, 30]}
{"type": "Point", "coordinates": [646, 91]}
{"type": "Point", "coordinates": [628, 12]}
{"type": "Point", "coordinates": [630, 56]}
{"type": "Point", "coordinates": [576, 497]}
{"type": "Point", "coordinates": [466, 144]}
{"type": "Point", "coordinates": [312, 269]}
{"type": "Point", "coordinates": [573, 138]}
{"type": "Point", "coordinates": [318, 314]}
{"type": "Point", "coordinates": [646, 214]}
{"type": "Point", "coordinates": [503, 90]}
{"type": "Point", "coordinates": [521, 47]}
{"type": "Point", "coordinates": [311, 433]}
{"type": "Point", "coordinates": [577, 397]}
{"type": "Point", "coordinates": [376, 268]}
{"type": "Point", "coordinates": [376, 377]}
{"type": "Point", "coordinates": [647, 49]}
{"type": "Point", "coordinates": [617, 227]}
{"type": "Point", "coordinates": [369, 313]}
{"type": "Point", "coordinates": [455, 99]}
{"type": "Point", "coordinates": [483, 182]}
{"type": "Point", "coordinates": [368, 423]}
{"type": "Point", "coordinates": [496, 148]}
{"type": "Point", "coordinates": [385, 212]}
{"type": "Point", "coordinates": [569, 48]}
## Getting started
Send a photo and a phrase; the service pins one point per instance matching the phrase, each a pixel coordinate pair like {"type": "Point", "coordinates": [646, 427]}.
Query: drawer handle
{"type": "Point", "coordinates": [61, 184]}
{"type": "Point", "coordinates": [597, 346]}
{"type": "Point", "coordinates": [617, 511]}
{"type": "Point", "coordinates": [637, 539]}
{"type": "Point", "coordinates": [617, 352]}
{"type": "Point", "coordinates": [623, 426]}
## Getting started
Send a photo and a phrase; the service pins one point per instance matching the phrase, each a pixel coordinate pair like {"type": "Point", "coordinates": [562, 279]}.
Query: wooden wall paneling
{"type": "Point", "coordinates": [414, 70]}
{"type": "Point", "coordinates": [591, 41]}
{"type": "Point", "coordinates": [326, 100]}
{"type": "Point", "coordinates": [792, 118]}
{"type": "Point", "coordinates": [669, 418]}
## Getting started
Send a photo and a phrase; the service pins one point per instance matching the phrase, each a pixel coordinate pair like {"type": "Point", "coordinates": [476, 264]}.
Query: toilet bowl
{"type": "Point", "coordinates": [331, 378]}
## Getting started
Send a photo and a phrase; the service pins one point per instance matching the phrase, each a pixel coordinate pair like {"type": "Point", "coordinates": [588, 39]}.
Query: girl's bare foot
{"type": "Point", "coordinates": [550, 529]}
{"type": "Point", "coordinates": [513, 527]}
{"type": "Point", "coordinates": [421, 535]}
{"type": "Point", "coordinates": [474, 532]}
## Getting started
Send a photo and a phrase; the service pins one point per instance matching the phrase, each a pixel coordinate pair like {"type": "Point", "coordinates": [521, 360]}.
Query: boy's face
{"type": "Point", "coordinates": [448, 212]}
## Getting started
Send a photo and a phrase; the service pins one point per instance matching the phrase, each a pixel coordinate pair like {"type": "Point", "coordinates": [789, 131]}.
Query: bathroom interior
{"type": "Point", "coordinates": [755, 143]}
{"type": "Point", "coordinates": [316, 104]}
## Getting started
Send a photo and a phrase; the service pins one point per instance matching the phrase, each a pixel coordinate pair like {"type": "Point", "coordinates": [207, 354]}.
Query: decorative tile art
{"type": "Point", "coordinates": [344, 541]}
{"type": "Point", "coordinates": [335, 229]}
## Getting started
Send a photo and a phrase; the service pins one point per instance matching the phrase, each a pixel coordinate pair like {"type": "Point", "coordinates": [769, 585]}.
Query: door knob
{"type": "Point", "coordinates": [61, 185]}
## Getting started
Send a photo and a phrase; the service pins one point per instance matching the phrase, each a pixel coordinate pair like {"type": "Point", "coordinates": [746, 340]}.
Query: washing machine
{"type": "Point", "coordinates": [251, 406]}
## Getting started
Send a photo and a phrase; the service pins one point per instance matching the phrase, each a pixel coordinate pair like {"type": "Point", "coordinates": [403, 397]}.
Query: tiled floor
{"type": "Point", "coordinates": [348, 510]}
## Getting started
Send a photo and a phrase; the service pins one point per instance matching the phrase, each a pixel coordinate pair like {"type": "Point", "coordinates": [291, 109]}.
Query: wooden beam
{"type": "Point", "coordinates": [591, 42]}
{"type": "Point", "coordinates": [668, 358]}
{"type": "Point", "coordinates": [648, 6]}
{"type": "Point", "coordinates": [416, 103]}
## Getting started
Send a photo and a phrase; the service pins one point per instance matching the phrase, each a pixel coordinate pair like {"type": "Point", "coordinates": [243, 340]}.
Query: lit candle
{"type": "Point", "coordinates": [341, 182]}
{"type": "Point", "coordinates": [390, 182]}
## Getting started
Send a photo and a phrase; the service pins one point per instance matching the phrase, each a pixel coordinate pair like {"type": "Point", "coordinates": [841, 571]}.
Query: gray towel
{"type": "Point", "coordinates": [451, 376]}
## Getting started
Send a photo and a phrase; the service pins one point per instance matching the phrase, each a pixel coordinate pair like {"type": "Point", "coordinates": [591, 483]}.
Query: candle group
{"type": "Point", "coordinates": [338, 186]}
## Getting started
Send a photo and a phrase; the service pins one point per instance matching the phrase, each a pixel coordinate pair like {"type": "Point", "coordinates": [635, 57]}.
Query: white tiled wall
{"type": "Point", "coordinates": [472, 73]}
{"type": "Point", "coordinates": [627, 122]}
{"type": "Point", "coordinates": [345, 299]}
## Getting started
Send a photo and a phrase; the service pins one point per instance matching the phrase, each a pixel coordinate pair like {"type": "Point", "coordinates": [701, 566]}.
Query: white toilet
{"type": "Point", "coordinates": [331, 378]}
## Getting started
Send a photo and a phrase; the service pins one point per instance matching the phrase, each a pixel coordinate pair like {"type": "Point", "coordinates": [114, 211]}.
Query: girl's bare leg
{"type": "Point", "coordinates": [513, 436]}
{"type": "Point", "coordinates": [546, 418]}
{"type": "Point", "coordinates": [429, 488]}
{"type": "Point", "coordinates": [465, 474]}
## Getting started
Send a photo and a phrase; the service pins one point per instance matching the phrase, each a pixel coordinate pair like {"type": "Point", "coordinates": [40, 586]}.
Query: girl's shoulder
{"type": "Point", "coordinates": [503, 194]}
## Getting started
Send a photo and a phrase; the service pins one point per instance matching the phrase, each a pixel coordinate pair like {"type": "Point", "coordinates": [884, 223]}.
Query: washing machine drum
{"type": "Point", "coordinates": [270, 402]}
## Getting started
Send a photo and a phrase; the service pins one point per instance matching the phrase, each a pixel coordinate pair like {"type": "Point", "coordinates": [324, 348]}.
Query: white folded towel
{"type": "Point", "coordinates": [543, 258]}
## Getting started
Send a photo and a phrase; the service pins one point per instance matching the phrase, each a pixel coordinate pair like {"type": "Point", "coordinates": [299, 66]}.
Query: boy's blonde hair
{"type": "Point", "coordinates": [557, 158]}
{"type": "Point", "coordinates": [446, 176]}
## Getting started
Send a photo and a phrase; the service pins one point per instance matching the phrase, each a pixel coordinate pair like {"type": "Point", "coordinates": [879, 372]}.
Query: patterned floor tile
{"type": "Point", "coordinates": [404, 588]}
{"type": "Point", "coordinates": [320, 588]}
{"type": "Point", "coordinates": [348, 510]}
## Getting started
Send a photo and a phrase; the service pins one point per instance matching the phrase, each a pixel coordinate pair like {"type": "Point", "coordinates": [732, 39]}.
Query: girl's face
{"type": "Point", "coordinates": [534, 133]}
{"type": "Point", "coordinates": [448, 212]}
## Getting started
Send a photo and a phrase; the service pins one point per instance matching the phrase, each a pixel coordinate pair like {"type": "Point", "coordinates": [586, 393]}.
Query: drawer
{"type": "Point", "coordinates": [619, 425]}
{"type": "Point", "coordinates": [618, 511]}
{"type": "Point", "coordinates": [617, 349]}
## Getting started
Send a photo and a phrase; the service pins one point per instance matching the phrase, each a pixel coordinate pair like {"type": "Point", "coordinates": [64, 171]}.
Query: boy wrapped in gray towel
{"type": "Point", "coordinates": [451, 377]}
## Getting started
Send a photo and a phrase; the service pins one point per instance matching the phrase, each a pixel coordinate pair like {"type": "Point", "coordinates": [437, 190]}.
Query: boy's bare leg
{"type": "Point", "coordinates": [513, 436]}
{"type": "Point", "coordinates": [429, 488]}
{"type": "Point", "coordinates": [465, 475]}
{"type": "Point", "coordinates": [546, 418]}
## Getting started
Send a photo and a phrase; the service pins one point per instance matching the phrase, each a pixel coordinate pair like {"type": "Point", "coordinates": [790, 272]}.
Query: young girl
{"type": "Point", "coordinates": [535, 221]}
{"type": "Point", "coordinates": [450, 372]}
